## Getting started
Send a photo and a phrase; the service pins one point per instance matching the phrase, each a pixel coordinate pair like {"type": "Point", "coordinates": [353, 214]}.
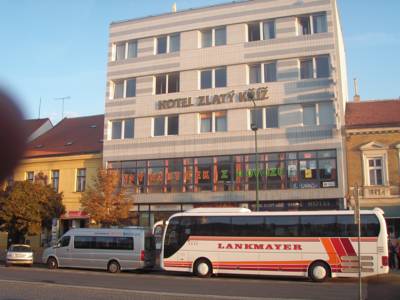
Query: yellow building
{"type": "Point", "coordinates": [373, 156]}
{"type": "Point", "coordinates": [69, 155]}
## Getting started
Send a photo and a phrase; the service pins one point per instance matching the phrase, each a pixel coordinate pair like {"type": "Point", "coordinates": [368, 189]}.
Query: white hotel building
{"type": "Point", "coordinates": [179, 111]}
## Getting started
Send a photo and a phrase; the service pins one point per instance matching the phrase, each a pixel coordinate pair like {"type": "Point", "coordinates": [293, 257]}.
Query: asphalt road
{"type": "Point", "coordinates": [20, 283]}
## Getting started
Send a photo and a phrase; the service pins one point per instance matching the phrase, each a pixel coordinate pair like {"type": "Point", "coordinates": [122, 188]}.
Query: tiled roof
{"type": "Point", "coordinates": [70, 136]}
{"type": "Point", "coordinates": [33, 124]}
{"type": "Point", "coordinates": [376, 113]}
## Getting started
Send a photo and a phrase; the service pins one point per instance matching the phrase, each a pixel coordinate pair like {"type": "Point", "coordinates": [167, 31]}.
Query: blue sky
{"type": "Point", "coordinates": [52, 49]}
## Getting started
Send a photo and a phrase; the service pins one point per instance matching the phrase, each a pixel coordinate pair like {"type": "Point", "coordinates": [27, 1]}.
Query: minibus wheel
{"type": "Point", "coordinates": [318, 271]}
{"type": "Point", "coordinates": [202, 268]}
{"type": "Point", "coordinates": [113, 267]}
{"type": "Point", "coordinates": [52, 263]}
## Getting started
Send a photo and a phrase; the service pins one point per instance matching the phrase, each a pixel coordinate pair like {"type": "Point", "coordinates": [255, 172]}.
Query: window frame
{"type": "Point", "coordinates": [55, 179]}
{"type": "Point", "coordinates": [126, 50]}
{"type": "Point", "coordinates": [124, 89]}
{"type": "Point", "coordinates": [168, 45]}
{"type": "Point", "coordinates": [310, 18]}
{"type": "Point", "coordinates": [314, 67]}
{"type": "Point", "coordinates": [213, 78]}
{"type": "Point", "coordinates": [166, 125]}
{"type": "Point", "coordinates": [261, 30]}
{"type": "Point", "coordinates": [167, 75]}
{"type": "Point", "coordinates": [80, 185]}
{"type": "Point", "coordinates": [264, 116]}
{"type": "Point", "coordinates": [316, 119]}
{"type": "Point", "coordinates": [27, 176]}
{"type": "Point", "coordinates": [262, 66]}
{"type": "Point", "coordinates": [122, 133]}
{"type": "Point", "coordinates": [213, 121]}
{"type": "Point", "coordinates": [213, 37]}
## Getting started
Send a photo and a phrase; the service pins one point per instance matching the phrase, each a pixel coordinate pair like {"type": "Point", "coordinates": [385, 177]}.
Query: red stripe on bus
{"type": "Point", "coordinates": [338, 246]}
{"type": "Point", "coordinates": [348, 247]}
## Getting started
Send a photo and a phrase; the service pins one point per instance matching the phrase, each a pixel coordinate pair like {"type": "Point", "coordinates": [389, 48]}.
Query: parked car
{"type": "Point", "coordinates": [19, 254]}
{"type": "Point", "coordinates": [110, 249]}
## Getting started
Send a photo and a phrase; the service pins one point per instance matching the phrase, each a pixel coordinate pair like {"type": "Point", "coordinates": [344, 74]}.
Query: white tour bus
{"type": "Point", "coordinates": [314, 244]}
{"type": "Point", "coordinates": [110, 249]}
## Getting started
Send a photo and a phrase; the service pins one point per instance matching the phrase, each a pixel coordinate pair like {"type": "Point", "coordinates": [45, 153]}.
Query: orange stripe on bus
{"type": "Point", "coordinates": [330, 250]}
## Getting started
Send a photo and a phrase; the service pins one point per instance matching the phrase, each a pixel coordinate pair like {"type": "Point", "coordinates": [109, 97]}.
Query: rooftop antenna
{"type": "Point", "coordinates": [174, 7]}
{"type": "Point", "coordinates": [62, 99]}
{"type": "Point", "coordinates": [356, 97]}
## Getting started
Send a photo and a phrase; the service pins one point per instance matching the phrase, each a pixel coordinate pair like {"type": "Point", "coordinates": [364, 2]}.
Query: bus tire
{"type": "Point", "coordinates": [113, 267]}
{"type": "Point", "coordinates": [318, 271]}
{"type": "Point", "coordinates": [202, 268]}
{"type": "Point", "coordinates": [52, 263]}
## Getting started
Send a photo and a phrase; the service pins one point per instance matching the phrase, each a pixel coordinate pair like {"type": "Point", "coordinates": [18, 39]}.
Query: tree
{"type": "Point", "coordinates": [27, 208]}
{"type": "Point", "coordinates": [106, 202]}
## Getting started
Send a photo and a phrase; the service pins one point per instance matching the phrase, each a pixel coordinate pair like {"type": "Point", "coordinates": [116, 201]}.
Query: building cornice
{"type": "Point", "coordinates": [366, 130]}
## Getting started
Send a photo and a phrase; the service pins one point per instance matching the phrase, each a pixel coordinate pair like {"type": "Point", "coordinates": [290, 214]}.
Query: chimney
{"type": "Point", "coordinates": [174, 7]}
{"type": "Point", "coordinates": [356, 97]}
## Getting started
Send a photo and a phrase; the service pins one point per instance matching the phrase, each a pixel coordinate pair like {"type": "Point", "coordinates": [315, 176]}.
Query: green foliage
{"type": "Point", "coordinates": [26, 208]}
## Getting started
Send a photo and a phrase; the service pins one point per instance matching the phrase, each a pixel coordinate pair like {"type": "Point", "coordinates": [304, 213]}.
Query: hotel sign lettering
{"type": "Point", "coordinates": [230, 97]}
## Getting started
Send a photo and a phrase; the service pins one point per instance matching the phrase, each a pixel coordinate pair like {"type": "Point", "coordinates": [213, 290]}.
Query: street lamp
{"type": "Point", "coordinates": [254, 127]}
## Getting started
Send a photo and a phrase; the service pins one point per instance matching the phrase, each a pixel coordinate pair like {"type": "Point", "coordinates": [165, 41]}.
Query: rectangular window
{"type": "Point", "coordinates": [268, 30]}
{"type": "Point", "coordinates": [131, 87]}
{"type": "Point", "coordinates": [304, 25]}
{"type": "Point", "coordinates": [309, 115]}
{"type": "Point", "coordinates": [124, 88]}
{"type": "Point", "coordinates": [255, 74]}
{"type": "Point", "coordinates": [173, 125]}
{"type": "Point", "coordinates": [166, 125]}
{"type": "Point", "coordinates": [375, 170]}
{"type": "Point", "coordinates": [220, 121]}
{"type": "Point", "coordinates": [173, 83]}
{"type": "Point", "coordinates": [322, 64]}
{"type": "Point", "coordinates": [55, 179]}
{"type": "Point", "coordinates": [118, 89]}
{"type": "Point", "coordinates": [205, 122]}
{"type": "Point", "coordinates": [220, 77]}
{"type": "Point", "coordinates": [312, 24]}
{"type": "Point", "coordinates": [270, 72]}
{"type": "Point", "coordinates": [306, 68]}
{"type": "Point", "coordinates": [132, 49]}
{"type": "Point", "coordinates": [272, 117]}
{"type": "Point", "coordinates": [159, 126]}
{"type": "Point", "coordinates": [122, 128]}
{"type": "Point", "coordinates": [162, 45]}
{"type": "Point", "coordinates": [174, 42]}
{"type": "Point", "coordinates": [80, 180]}
{"type": "Point", "coordinates": [253, 31]}
{"type": "Point", "coordinates": [169, 43]}
{"type": "Point", "coordinates": [167, 83]}
{"type": "Point", "coordinates": [206, 79]}
{"type": "Point", "coordinates": [220, 36]}
{"type": "Point", "coordinates": [256, 118]}
{"type": "Point", "coordinates": [319, 23]}
{"type": "Point", "coordinates": [213, 78]}
{"type": "Point", "coordinates": [129, 126]}
{"type": "Point", "coordinates": [30, 176]}
{"type": "Point", "coordinates": [161, 84]}
{"type": "Point", "coordinates": [116, 130]}
{"type": "Point", "coordinates": [206, 38]}
{"type": "Point", "coordinates": [120, 51]}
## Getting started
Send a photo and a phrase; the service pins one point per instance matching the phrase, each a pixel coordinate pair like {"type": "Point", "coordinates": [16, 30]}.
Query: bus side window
{"type": "Point", "coordinates": [346, 226]}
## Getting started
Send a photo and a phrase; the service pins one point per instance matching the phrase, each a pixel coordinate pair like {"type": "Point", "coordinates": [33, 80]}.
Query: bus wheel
{"type": "Point", "coordinates": [202, 268]}
{"type": "Point", "coordinates": [318, 271]}
{"type": "Point", "coordinates": [113, 267]}
{"type": "Point", "coordinates": [52, 263]}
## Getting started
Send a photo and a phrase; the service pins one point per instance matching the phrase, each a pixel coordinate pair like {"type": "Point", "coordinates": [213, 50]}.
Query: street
{"type": "Point", "coordinates": [40, 283]}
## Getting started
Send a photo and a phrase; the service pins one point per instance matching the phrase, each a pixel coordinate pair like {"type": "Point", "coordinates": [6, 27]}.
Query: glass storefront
{"type": "Point", "coordinates": [276, 171]}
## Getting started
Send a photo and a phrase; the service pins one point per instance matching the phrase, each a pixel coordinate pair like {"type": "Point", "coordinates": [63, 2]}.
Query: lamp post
{"type": "Point", "coordinates": [254, 127]}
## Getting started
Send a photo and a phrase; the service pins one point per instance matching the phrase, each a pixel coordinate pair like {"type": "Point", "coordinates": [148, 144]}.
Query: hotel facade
{"type": "Point", "coordinates": [184, 89]}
